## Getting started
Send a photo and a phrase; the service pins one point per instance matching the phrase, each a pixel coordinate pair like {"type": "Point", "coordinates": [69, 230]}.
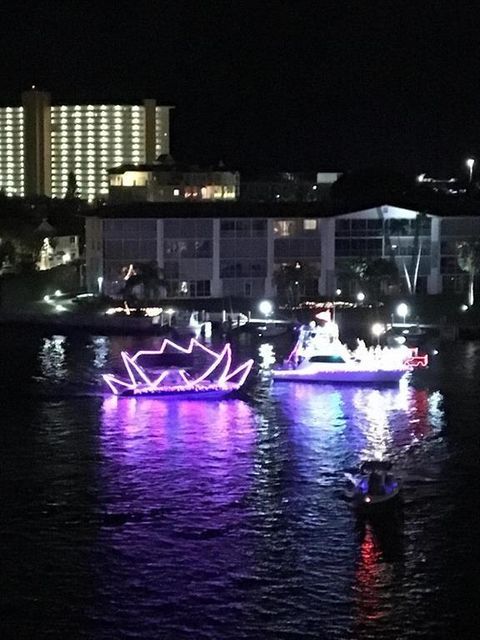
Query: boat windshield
{"type": "Point", "coordinates": [327, 359]}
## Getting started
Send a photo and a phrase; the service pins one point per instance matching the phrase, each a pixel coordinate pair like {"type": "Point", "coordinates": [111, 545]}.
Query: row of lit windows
{"type": "Point", "coordinates": [95, 107]}
{"type": "Point", "coordinates": [105, 130]}
{"type": "Point", "coordinates": [91, 146]}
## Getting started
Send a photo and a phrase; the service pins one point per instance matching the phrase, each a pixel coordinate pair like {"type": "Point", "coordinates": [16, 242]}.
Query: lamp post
{"type": "Point", "coordinates": [470, 162]}
{"type": "Point", "coordinates": [378, 329]}
{"type": "Point", "coordinates": [403, 310]}
{"type": "Point", "coordinates": [266, 307]}
{"type": "Point", "coordinates": [338, 292]}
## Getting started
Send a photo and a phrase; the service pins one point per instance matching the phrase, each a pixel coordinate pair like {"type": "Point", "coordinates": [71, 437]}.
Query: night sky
{"type": "Point", "coordinates": [286, 85]}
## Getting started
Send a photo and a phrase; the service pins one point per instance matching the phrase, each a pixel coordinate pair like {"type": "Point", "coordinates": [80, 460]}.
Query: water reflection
{"type": "Point", "coordinates": [101, 349]}
{"type": "Point", "coordinates": [266, 356]}
{"type": "Point", "coordinates": [212, 440]}
{"type": "Point", "coordinates": [52, 359]}
{"type": "Point", "coordinates": [354, 423]}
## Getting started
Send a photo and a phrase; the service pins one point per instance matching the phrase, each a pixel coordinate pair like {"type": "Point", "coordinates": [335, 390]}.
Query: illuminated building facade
{"type": "Point", "coordinates": [167, 181]}
{"type": "Point", "coordinates": [11, 150]}
{"type": "Point", "coordinates": [235, 249]}
{"type": "Point", "coordinates": [40, 144]}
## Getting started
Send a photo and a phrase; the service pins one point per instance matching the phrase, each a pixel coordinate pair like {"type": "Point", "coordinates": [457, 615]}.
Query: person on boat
{"type": "Point", "coordinates": [376, 485]}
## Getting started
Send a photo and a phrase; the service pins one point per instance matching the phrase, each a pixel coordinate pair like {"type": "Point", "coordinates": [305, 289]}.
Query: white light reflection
{"type": "Point", "coordinates": [101, 349]}
{"type": "Point", "coordinates": [266, 354]}
{"type": "Point", "coordinates": [372, 407]}
{"type": "Point", "coordinates": [52, 358]}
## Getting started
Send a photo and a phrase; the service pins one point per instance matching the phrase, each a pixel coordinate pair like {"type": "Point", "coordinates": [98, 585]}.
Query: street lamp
{"type": "Point", "coordinates": [470, 163]}
{"type": "Point", "coordinates": [403, 310]}
{"type": "Point", "coordinates": [377, 329]}
{"type": "Point", "coordinates": [266, 307]}
{"type": "Point", "coordinates": [360, 296]}
{"type": "Point", "coordinates": [338, 292]}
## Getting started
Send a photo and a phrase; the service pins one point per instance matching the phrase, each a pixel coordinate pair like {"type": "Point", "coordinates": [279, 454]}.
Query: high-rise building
{"type": "Point", "coordinates": [40, 143]}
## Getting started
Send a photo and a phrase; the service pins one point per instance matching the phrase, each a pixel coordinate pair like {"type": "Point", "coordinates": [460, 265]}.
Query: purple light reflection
{"type": "Point", "coordinates": [154, 437]}
{"type": "Point", "coordinates": [351, 423]}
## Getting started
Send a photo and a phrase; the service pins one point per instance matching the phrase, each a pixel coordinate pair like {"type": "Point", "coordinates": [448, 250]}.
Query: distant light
{"type": "Point", "coordinates": [367, 499]}
{"type": "Point", "coordinates": [265, 307]}
{"type": "Point", "coordinates": [170, 311]}
{"type": "Point", "coordinates": [314, 187]}
{"type": "Point", "coordinates": [153, 312]}
{"type": "Point", "coordinates": [100, 284]}
{"type": "Point", "coordinates": [403, 310]}
{"type": "Point", "coordinates": [435, 352]}
{"type": "Point", "coordinates": [338, 292]}
{"type": "Point", "coordinates": [360, 296]}
{"type": "Point", "coordinates": [58, 293]}
{"type": "Point", "coordinates": [377, 329]}
{"type": "Point", "coordinates": [464, 307]}
{"type": "Point", "coordinates": [60, 307]}
{"type": "Point", "coordinates": [470, 162]}
{"type": "Point", "coordinates": [46, 298]}
{"type": "Point", "coordinates": [110, 312]}
{"type": "Point", "coordinates": [421, 177]}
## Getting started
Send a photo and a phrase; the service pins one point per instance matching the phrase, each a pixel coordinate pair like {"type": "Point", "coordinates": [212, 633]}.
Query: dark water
{"type": "Point", "coordinates": [150, 519]}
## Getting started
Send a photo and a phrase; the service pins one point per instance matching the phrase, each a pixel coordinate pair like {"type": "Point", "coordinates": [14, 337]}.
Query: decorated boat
{"type": "Point", "coordinates": [151, 372]}
{"type": "Point", "coordinates": [319, 356]}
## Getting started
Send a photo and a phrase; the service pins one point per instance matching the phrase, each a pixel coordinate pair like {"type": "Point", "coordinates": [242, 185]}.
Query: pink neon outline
{"type": "Point", "coordinates": [226, 368]}
{"type": "Point", "coordinates": [223, 383]}
{"type": "Point", "coordinates": [127, 361]}
{"type": "Point", "coordinates": [212, 367]}
{"type": "Point", "coordinates": [246, 370]}
{"type": "Point", "coordinates": [111, 379]}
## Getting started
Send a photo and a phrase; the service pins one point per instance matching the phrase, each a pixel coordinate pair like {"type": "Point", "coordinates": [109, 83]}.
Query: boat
{"type": "Point", "coordinates": [374, 487]}
{"type": "Point", "coordinates": [151, 373]}
{"type": "Point", "coordinates": [319, 356]}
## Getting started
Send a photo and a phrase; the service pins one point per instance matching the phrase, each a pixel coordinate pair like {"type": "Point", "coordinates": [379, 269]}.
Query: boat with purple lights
{"type": "Point", "coordinates": [150, 374]}
{"type": "Point", "coordinates": [319, 356]}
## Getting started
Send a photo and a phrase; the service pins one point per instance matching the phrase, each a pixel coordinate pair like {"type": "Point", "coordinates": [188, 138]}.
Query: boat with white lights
{"type": "Point", "coordinates": [146, 378]}
{"type": "Point", "coordinates": [319, 356]}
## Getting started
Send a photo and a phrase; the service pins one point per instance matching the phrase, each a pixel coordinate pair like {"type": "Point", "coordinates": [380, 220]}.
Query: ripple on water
{"type": "Point", "coordinates": [224, 520]}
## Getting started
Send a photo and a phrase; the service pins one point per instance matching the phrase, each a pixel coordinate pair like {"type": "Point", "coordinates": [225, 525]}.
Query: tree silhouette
{"type": "Point", "coordinates": [380, 273]}
{"type": "Point", "coordinates": [468, 258]}
{"type": "Point", "coordinates": [72, 187]}
{"type": "Point", "coordinates": [292, 281]}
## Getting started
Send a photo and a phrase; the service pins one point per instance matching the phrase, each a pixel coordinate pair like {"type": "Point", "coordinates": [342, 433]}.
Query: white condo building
{"type": "Point", "coordinates": [235, 249]}
{"type": "Point", "coordinates": [40, 144]}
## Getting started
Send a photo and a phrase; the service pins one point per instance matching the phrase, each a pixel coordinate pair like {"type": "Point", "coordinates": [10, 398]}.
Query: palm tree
{"type": "Point", "coordinates": [468, 257]}
{"type": "Point", "coordinates": [380, 274]}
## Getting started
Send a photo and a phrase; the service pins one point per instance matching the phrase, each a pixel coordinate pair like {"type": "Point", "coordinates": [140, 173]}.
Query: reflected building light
{"type": "Point", "coordinates": [266, 355]}
{"type": "Point", "coordinates": [101, 350]}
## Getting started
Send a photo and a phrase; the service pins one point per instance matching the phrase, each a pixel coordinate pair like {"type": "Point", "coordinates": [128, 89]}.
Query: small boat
{"type": "Point", "coordinates": [218, 379]}
{"type": "Point", "coordinates": [374, 487]}
{"type": "Point", "coordinates": [319, 356]}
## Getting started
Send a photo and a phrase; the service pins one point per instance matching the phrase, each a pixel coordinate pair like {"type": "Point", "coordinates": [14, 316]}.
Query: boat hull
{"type": "Point", "coordinates": [214, 394]}
{"type": "Point", "coordinates": [353, 376]}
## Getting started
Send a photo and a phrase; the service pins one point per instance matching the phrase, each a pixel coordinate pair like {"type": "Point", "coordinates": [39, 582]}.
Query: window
{"type": "Point", "coordinates": [327, 359]}
{"type": "Point", "coordinates": [309, 225]}
{"type": "Point", "coordinates": [199, 288]}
